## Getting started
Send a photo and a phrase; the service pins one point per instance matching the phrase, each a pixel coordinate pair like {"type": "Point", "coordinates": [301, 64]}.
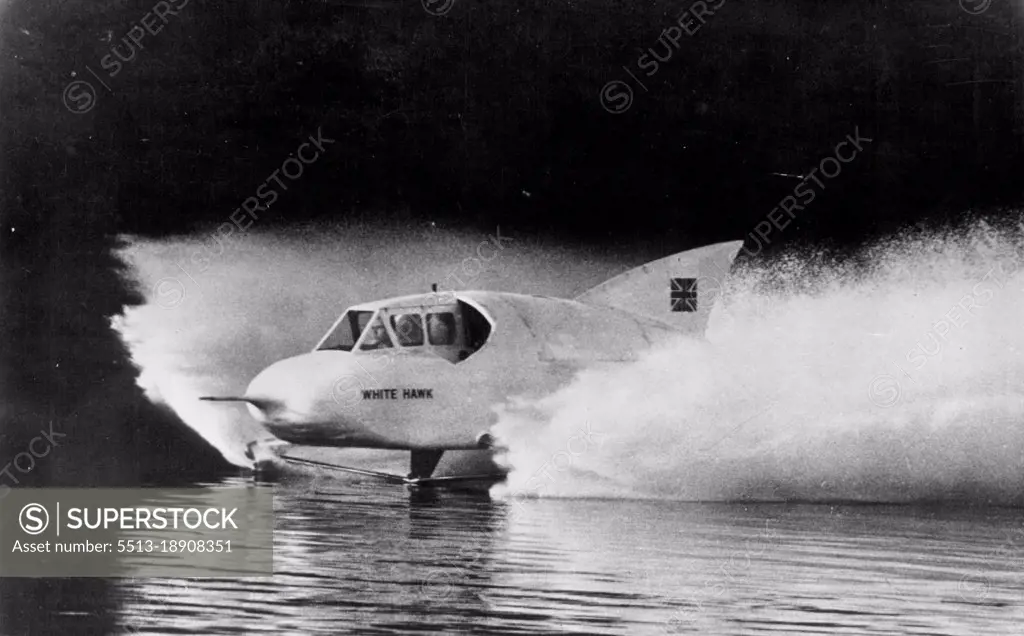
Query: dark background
{"type": "Point", "coordinates": [486, 115]}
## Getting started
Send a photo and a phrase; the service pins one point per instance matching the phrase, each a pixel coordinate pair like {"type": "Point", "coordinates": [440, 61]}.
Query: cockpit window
{"type": "Point", "coordinates": [441, 328]}
{"type": "Point", "coordinates": [346, 331]}
{"type": "Point", "coordinates": [408, 328]}
{"type": "Point", "coordinates": [376, 337]}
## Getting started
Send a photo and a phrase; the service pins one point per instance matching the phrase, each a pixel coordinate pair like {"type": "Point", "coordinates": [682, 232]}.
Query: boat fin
{"type": "Point", "coordinates": [679, 290]}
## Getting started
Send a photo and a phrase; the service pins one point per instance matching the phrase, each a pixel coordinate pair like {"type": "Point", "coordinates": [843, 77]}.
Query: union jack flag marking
{"type": "Point", "coordinates": [683, 292]}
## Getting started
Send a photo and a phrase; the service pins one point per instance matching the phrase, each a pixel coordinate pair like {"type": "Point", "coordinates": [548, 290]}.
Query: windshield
{"type": "Point", "coordinates": [346, 331]}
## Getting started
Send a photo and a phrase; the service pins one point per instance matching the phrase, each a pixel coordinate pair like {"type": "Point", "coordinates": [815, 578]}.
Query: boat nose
{"type": "Point", "coordinates": [295, 390]}
{"type": "Point", "coordinates": [308, 397]}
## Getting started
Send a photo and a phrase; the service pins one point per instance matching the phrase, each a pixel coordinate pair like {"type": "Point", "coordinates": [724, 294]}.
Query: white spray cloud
{"type": "Point", "coordinates": [903, 381]}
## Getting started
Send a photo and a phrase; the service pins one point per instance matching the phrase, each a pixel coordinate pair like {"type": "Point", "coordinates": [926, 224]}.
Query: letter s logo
{"type": "Point", "coordinates": [616, 97]}
{"type": "Point", "coordinates": [33, 519]}
{"type": "Point", "coordinates": [79, 97]}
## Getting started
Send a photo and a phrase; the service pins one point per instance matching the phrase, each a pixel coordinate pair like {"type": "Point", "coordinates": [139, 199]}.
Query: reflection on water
{"type": "Point", "coordinates": [366, 558]}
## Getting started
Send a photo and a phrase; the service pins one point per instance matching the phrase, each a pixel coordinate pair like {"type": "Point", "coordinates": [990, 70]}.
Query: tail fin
{"type": "Point", "coordinates": [679, 290]}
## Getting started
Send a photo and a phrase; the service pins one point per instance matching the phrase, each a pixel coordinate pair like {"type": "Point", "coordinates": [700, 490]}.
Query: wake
{"type": "Point", "coordinates": [895, 379]}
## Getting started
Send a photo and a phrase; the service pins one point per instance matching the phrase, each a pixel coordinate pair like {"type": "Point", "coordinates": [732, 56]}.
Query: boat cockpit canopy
{"type": "Point", "coordinates": [453, 331]}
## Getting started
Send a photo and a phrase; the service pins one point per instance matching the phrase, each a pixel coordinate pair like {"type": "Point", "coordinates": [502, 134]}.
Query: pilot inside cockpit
{"type": "Point", "coordinates": [441, 329]}
{"type": "Point", "coordinates": [377, 337]}
{"type": "Point", "coordinates": [409, 328]}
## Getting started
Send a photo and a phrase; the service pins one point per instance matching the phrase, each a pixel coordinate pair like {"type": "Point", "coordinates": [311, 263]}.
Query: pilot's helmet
{"type": "Point", "coordinates": [376, 335]}
{"type": "Point", "coordinates": [409, 330]}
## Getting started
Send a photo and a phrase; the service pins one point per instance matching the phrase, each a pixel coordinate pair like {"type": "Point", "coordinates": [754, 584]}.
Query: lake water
{"type": "Point", "coordinates": [357, 557]}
